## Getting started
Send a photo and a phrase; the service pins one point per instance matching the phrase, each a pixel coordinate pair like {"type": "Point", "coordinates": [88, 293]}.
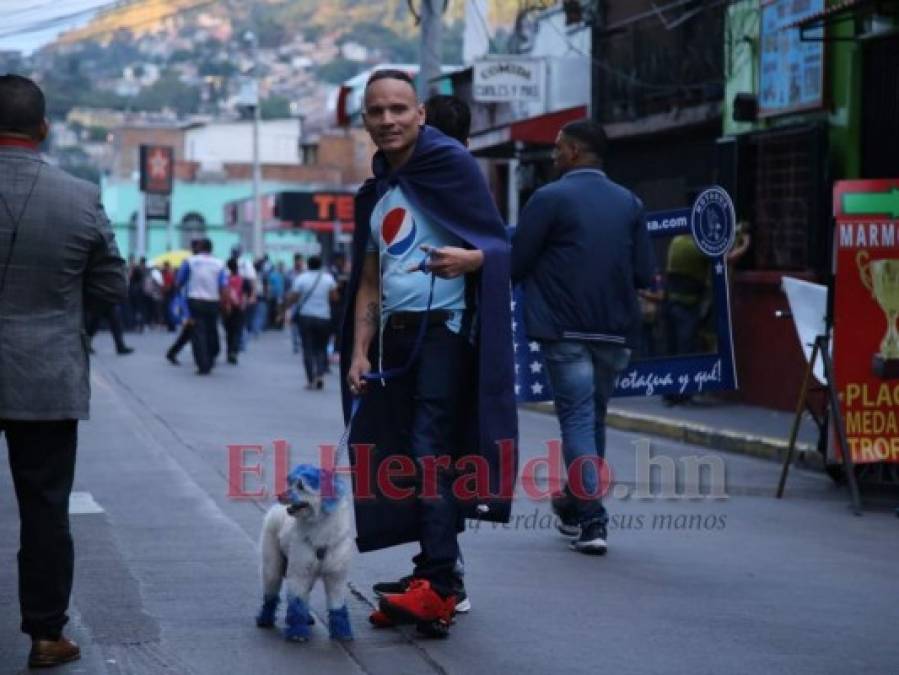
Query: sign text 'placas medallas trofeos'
{"type": "Point", "coordinates": [866, 309]}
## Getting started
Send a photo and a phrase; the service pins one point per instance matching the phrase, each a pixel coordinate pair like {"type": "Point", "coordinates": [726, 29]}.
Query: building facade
{"type": "Point", "coordinates": [812, 97]}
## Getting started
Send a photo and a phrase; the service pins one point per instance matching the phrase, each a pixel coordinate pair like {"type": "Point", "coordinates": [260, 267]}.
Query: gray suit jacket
{"type": "Point", "coordinates": [64, 256]}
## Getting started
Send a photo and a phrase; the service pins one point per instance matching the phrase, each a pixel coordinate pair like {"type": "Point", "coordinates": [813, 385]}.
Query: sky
{"type": "Point", "coordinates": [29, 24]}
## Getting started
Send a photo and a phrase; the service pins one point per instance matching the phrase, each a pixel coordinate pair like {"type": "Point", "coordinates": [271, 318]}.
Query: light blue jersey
{"type": "Point", "coordinates": [397, 233]}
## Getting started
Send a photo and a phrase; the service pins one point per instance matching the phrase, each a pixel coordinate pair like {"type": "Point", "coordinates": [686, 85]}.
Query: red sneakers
{"type": "Point", "coordinates": [421, 605]}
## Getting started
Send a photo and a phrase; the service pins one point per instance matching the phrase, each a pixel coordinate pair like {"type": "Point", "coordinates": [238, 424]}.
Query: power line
{"type": "Point", "coordinates": [28, 25]}
{"type": "Point", "coordinates": [47, 24]}
{"type": "Point", "coordinates": [635, 81]}
{"type": "Point", "coordinates": [63, 20]}
{"type": "Point", "coordinates": [31, 8]}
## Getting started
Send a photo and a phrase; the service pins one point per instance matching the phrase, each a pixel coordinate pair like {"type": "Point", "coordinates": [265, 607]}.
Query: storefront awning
{"type": "Point", "coordinates": [541, 130]}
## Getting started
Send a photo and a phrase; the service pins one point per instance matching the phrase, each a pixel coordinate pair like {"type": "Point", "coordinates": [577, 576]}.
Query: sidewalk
{"type": "Point", "coordinates": [714, 423]}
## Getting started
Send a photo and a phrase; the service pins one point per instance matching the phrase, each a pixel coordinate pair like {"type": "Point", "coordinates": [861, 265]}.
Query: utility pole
{"type": "Point", "coordinates": [597, 25]}
{"type": "Point", "coordinates": [257, 242]}
{"type": "Point", "coordinates": [140, 248]}
{"type": "Point", "coordinates": [431, 46]}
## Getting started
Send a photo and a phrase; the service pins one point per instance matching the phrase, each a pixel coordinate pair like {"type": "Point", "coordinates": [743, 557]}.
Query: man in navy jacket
{"type": "Point", "coordinates": [581, 249]}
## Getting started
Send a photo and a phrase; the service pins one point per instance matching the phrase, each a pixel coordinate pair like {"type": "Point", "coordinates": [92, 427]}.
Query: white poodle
{"type": "Point", "coordinates": [307, 536]}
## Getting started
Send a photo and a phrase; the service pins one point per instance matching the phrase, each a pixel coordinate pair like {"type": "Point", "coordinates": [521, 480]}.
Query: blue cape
{"type": "Point", "coordinates": [443, 181]}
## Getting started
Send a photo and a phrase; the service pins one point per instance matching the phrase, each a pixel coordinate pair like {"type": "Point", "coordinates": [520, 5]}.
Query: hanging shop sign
{"type": "Point", "coordinates": [158, 207]}
{"type": "Point", "coordinates": [315, 210]}
{"type": "Point", "coordinates": [157, 169]}
{"type": "Point", "coordinates": [791, 70]}
{"type": "Point", "coordinates": [508, 80]}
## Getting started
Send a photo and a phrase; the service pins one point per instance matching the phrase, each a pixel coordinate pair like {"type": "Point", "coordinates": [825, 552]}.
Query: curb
{"type": "Point", "coordinates": [694, 433]}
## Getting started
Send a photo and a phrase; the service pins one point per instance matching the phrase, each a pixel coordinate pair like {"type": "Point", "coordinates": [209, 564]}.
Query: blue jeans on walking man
{"type": "Point", "coordinates": [582, 375]}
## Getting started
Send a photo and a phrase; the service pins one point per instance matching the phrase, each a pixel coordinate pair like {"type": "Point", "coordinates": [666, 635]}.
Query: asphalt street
{"type": "Point", "coordinates": [167, 567]}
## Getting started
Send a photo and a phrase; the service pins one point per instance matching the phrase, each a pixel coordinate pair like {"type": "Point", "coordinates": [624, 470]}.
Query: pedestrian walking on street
{"type": "Point", "coordinates": [340, 270]}
{"type": "Point", "coordinates": [276, 292]}
{"type": "Point", "coordinates": [136, 302]}
{"type": "Point", "coordinates": [449, 114]}
{"type": "Point", "coordinates": [58, 257]}
{"type": "Point", "coordinates": [429, 307]}
{"type": "Point", "coordinates": [179, 306]}
{"type": "Point", "coordinates": [299, 265]}
{"type": "Point", "coordinates": [203, 277]}
{"type": "Point", "coordinates": [111, 314]}
{"type": "Point", "coordinates": [168, 294]}
{"type": "Point", "coordinates": [313, 291]}
{"type": "Point", "coordinates": [582, 250]}
{"type": "Point", "coordinates": [234, 310]}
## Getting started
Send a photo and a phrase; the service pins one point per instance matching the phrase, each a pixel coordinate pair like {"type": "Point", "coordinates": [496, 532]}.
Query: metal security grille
{"type": "Point", "coordinates": [648, 67]}
{"type": "Point", "coordinates": [789, 220]}
{"type": "Point", "coordinates": [880, 109]}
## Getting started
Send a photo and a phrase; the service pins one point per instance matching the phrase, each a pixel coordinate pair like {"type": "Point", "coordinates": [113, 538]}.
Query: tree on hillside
{"type": "Point", "coordinates": [339, 70]}
{"type": "Point", "coordinates": [275, 108]}
{"type": "Point", "coordinates": [168, 92]}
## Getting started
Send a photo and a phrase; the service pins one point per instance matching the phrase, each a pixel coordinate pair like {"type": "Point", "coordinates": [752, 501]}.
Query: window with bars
{"type": "Point", "coordinates": [788, 211]}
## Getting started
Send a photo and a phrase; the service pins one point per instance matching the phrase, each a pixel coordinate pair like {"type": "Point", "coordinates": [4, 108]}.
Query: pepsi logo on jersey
{"type": "Point", "coordinates": [398, 231]}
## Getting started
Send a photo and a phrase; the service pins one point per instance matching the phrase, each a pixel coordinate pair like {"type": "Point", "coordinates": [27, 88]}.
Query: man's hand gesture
{"type": "Point", "coordinates": [450, 262]}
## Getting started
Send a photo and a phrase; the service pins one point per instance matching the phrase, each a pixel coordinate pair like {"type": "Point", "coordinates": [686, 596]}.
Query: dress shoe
{"type": "Point", "coordinates": [47, 653]}
{"type": "Point", "coordinates": [124, 350]}
{"type": "Point", "coordinates": [172, 359]}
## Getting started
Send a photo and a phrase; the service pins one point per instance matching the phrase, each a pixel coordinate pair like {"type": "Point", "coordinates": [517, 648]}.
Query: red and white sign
{"type": "Point", "coordinates": [866, 309]}
{"type": "Point", "coordinates": [157, 169]}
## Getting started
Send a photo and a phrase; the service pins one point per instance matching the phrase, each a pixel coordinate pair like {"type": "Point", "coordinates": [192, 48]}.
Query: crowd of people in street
{"type": "Point", "coordinates": [244, 299]}
{"type": "Point", "coordinates": [425, 341]}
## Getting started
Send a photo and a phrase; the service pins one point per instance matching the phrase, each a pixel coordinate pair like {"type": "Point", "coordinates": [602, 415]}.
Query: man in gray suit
{"type": "Point", "coordinates": [57, 257]}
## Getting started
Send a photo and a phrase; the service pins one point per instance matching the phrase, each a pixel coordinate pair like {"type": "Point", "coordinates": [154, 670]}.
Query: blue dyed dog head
{"type": "Point", "coordinates": [311, 490]}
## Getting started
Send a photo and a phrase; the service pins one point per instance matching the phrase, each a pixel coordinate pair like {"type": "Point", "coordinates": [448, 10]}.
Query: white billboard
{"type": "Point", "coordinates": [508, 79]}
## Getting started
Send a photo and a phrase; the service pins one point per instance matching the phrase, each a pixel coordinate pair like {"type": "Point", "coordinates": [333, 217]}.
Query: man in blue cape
{"type": "Point", "coordinates": [434, 438]}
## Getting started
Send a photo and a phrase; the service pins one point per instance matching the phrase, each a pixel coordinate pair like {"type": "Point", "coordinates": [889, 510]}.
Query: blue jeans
{"type": "Point", "coordinates": [582, 375]}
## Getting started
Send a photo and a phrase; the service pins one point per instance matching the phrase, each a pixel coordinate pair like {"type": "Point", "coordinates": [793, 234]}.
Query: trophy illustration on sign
{"type": "Point", "coordinates": [881, 278]}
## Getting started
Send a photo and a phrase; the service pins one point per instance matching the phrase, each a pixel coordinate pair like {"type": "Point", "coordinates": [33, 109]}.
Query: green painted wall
{"type": "Point", "coordinates": [842, 87]}
{"type": "Point", "coordinates": [120, 199]}
{"type": "Point", "coordinates": [741, 54]}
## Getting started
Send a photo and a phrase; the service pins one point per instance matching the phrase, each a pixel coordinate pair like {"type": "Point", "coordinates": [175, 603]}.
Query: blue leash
{"type": "Point", "coordinates": [391, 373]}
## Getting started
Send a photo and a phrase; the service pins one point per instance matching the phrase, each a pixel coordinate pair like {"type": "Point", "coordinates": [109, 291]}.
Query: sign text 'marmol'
{"type": "Point", "coordinates": [867, 235]}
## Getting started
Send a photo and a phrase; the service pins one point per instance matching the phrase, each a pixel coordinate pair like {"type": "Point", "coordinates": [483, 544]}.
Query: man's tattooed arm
{"type": "Point", "coordinates": [368, 306]}
{"type": "Point", "coordinates": [372, 314]}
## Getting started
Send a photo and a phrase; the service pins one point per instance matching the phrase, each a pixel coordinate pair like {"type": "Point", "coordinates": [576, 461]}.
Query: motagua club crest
{"type": "Point", "coordinates": [713, 222]}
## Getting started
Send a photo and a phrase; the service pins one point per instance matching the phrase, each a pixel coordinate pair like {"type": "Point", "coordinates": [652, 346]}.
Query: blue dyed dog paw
{"type": "Point", "coordinates": [297, 620]}
{"type": "Point", "coordinates": [266, 616]}
{"type": "Point", "coordinates": [339, 624]}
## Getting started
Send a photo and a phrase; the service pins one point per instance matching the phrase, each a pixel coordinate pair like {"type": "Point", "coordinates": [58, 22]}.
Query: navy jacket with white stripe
{"type": "Point", "coordinates": [581, 249]}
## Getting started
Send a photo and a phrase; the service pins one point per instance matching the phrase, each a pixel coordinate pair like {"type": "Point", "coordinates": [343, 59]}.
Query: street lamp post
{"type": "Point", "coordinates": [430, 47]}
{"type": "Point", "coordinates": [258, 243]}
